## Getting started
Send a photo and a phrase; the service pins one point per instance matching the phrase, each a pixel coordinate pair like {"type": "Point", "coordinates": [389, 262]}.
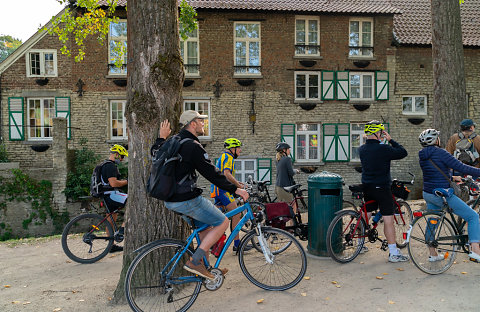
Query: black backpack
{"type": "Point", "coordinates": [96, 186]}
{"type": "Point", "coordinates": [162, 183]}
{"type": "Point", "coordinates": [465, 150]}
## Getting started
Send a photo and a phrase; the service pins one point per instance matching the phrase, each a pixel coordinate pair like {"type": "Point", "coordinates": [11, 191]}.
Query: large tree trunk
{"type": "Point", "coordinates": [155, 79]}
{"type": "Point", "coordinates": [449, 96]}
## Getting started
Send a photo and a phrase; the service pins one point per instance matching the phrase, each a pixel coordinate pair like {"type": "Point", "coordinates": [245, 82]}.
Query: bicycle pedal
{"type": "Point", "coordinates": [384, 245]}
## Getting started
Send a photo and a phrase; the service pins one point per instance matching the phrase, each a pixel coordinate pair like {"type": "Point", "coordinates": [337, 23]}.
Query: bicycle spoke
{"type": "Point", "coordinates": [345, 236]}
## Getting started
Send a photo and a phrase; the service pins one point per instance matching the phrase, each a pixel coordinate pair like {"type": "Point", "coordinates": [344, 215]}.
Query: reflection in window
{"type": "Point", "coordinates": [117, 48]}
{"type": "Point", "coordinates": [416, 104]}
{"type": "Point", "coordinates": [247, 48]}
{"type": "Point", "coordinates": [307, 147]}
{"type": "Point", "coordinates": [40, 114]}
{"type": "Point", "coordinates": [360, 37]}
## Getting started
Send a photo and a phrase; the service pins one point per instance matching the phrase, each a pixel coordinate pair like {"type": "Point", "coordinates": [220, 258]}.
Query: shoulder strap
{"type": "Point", "coordinates": [443, 173]}
{"type": "Point", "coordinates": [461, 135]}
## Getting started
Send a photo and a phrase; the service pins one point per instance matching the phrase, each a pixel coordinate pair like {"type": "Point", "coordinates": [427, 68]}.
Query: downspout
{"type": "Point", "coordinates": [1, 111]}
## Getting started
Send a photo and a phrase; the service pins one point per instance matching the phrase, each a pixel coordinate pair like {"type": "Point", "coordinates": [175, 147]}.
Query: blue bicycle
{"type": "Point", "coordinates": [156, 280]}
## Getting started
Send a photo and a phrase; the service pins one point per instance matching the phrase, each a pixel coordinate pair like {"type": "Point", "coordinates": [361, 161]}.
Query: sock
{"type": "Point", "coordinates": [236, 243]}
{"type": "Point", "coordinates": [198, 256]}
{"type": "Point", "coordinates": [393, 249]}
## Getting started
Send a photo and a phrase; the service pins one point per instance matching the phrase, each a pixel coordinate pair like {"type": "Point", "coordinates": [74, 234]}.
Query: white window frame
{"type": "Point", "coordinates": [123, 70]}
{"type": "Point", "coordinates": [245, 173]}
{"type": "Point", "coordinates": [42, 63]}
{"type": "Point", "coordinates": [360, 21]}
{"type": "Point", "coordinates": [307, 86]}
{"type": "Point", "coordinates": [247, 40]}
{"type": "Point", "coordinates": [362, 74]}
{"type": "Point", "coordinates": [209, 119]}
{"type": "Point", "coordinates": [42, 118]}
{"type": "Point", "coordinates": [413, 111]}
{"type": "Point", "coordinates": [184, 46]}
{"type": "Point", "coordinates": [361, 133]}
{"type": "Point", "coordinates": [308, 20]}
{"type": "Point", "coordinates": [307, 151]}
{"type": "Point", "coordinates": [124, 126]}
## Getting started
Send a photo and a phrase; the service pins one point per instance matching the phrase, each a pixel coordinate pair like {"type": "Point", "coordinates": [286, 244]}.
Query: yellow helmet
{"type": "Point", "coordinates": [373, 127]}
{"type": "Point", "coordinates": [119, 149]}
{"type": "Point", "coordinates": [231, 143]}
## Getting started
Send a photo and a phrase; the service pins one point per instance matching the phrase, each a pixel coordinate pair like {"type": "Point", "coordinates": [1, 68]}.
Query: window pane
{"type": "Point", "coordinates": [192, 53]}
{"type": "Point", "coordinates": [354, 34]}
{"type": "Point", "coordinates": [313, 33]}
{"type": "Point", "coordinates": [355, 86]}
{"type": "Point", "coordinates": [254, 54]}
{"type": "Point", "coordinates": [420, 104]}
{"type": "Point", "coordinates": [300, 27]}
{"type": "Point", "coordinates": [313, 147]}
{"type": "Point", "coordinates": [407, 104]}
{"type": "Point", "coordinates": [35, 63]}
{"type": "Point", "coordinates": [189, 105]}
{"type": "Point", "coordinates": [249, 165]}
{"type": "Point", "coordinates": [253, 30]}
{"type": "Point", "coordinates": [118, 29]}
{"type": "Point", "coordinates": [240, 53]}
{"type": "Point", "coordinates": [307, 127]}
{"type": "Point", "coordinates": [240, 30]}
{"type": "Point", "coordinates": [367, 87]}
{"type": "Point", "coordinates": [301, 146]}
{"type": "Point", "coordinates": [238, 165]}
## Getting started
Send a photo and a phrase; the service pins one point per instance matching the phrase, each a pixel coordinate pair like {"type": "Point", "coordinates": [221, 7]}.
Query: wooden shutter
{"type": "Point", "coordinates": [264, 169]}
{"type": "Point", "coordinates": [381, 85]}
{"type": "Point", "coordinates": [62, 109]}
{"type": "Point", "coordinates": [336, 142]}
{"type": "Point", "coordinates": [328, 85]}
{"type": "Point", "coordinates": [287, 134]}
{"type": "Point", "coordinates": [343, 85]}
{"type": "Point", "coordinates": [15, 119]}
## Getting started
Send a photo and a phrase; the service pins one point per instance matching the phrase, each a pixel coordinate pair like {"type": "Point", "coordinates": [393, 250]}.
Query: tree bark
{"type": "Point", "coordinates": [449, 92]}
{"type": "Point", "coordinates": [155, 79]}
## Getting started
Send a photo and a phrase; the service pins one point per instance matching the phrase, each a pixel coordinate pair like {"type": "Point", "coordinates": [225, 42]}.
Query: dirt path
{"type": "Point", "coordinates": [41, 278]}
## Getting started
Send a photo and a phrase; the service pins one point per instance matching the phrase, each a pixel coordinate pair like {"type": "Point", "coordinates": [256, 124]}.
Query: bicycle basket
{"type": "Point", "coordinates": [399, 190]}
{"type": "Point", "coordinates": [278, 214]}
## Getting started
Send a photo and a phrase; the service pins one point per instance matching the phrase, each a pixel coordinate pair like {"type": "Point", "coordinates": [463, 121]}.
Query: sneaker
{"type": "Point", "coordinates": [436, 258]}
{"type": "Point", "coordinates": [474, 257]}
{"type": "Point", "coordinates": [116, 248]}
{"type": "Point", "coordinates": [364, 249]}
{"type": "Point", "coordinates": [397, 258]}
{"type": "Point", "coordinates": [198, 269]}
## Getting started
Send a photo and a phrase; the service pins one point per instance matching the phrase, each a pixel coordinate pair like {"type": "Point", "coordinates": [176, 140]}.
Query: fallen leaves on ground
{"type": "Point", "coordinates": [15, 302]}
{"type": "Point", "coordinates": [6, 286]}
{"type": "Point", "coordinates": [57, 309]}
{"type": "Point", "coordinates": [400, 269]}
{"type": "Point", "coordinates": [304, 294]}
{"type": "Point", "coordinates": [379, 277]}
{"type": "Point", "coordinates": [391, 302]}
{"type": "Point", "coordinates": [307, 277]}
{"type": "Point", "coordinates": [334, 282]}
{"type": "Point", "coordinates": [385, 273]}
{"type": "Point", "coordinates": [260, 300]}
{"type": "Point", "coordinates": [464, 272]}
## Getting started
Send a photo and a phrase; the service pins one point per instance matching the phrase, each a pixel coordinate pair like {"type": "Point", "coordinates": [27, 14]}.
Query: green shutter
{"type": "Point", "coordinates": [62, 109]}
{"type": "Point", "coordinates": [343, 85]}
{"type": "Point", "coordinates": [381, 85]}
{"type": "Point", "coordinates": [264, 170]}
{"type": "Point", "coordinates": [328, 85]}
{"type": "Point", "coordinates": [336, 142]}
{"type": "Point", "coordinates": [15, 119]}
{"type": "Point", "coordinates": [287, 134]}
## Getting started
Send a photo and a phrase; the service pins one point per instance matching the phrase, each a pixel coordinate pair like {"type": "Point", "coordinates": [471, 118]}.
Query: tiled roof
{"type": "Point", "coordinates": [331, 6]}
{"type": "Point", "coordinates": [413, 26]}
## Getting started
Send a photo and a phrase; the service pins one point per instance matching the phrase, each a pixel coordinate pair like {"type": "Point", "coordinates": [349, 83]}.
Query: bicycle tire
{"type": "Point", "coordinates": [257, 207]}
{"type": "Point", "coordinates": [345, 246]}
{"type": "Point", "coordinates": [147, 290]}
{"type": "Point", "coordinates": [288, 267]}
{"type": "Point", "coordinates": [86, 239]}
{"type": "Point", "coordinates": [402, 220]}
{"type": "Point", "coordinates": [418, 248]}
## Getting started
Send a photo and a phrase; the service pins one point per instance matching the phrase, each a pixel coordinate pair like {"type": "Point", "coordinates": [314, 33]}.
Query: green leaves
{"type": "Point", "coordinates": [187, 19]}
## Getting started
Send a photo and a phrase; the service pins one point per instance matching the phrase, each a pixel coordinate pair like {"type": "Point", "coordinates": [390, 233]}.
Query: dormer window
{"type": "Point", "coordinates": [360, 41]}
{"type": "Point", "coordinates": [41, 63]}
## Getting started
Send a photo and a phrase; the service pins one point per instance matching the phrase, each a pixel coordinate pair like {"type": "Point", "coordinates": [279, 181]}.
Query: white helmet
{"type": "Point", "coordinates": [428, 137]}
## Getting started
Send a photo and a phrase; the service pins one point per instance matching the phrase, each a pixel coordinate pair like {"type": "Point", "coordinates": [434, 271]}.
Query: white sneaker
{"type": "Point", "coordinates": [474, 257]}
{"type": "Point", "coordinates": [364, 249]}
{"type": "Point", "coordinates": [397, 258]}
{"type": "Point", "coordinates": [436, 258]}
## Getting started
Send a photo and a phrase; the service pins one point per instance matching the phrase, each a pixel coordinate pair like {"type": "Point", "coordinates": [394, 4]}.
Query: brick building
{"type": "Point", "coordinates": [307, 72]}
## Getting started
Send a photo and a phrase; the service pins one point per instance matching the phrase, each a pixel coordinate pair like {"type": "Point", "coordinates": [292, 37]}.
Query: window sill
{"type": "Point", "coordinates": [309, 57]}
{"type": "Point", "coordinates": [248, 76]}
{"type": "Point", "coordinates": [123, 76]}
{"type": "Point", "coordinates": [193, 76]}
{"type": "Point", "coordinates": [308, 101]}
{"type": "Point", "coordinates": [119, 140]}
{"type": "Point", "coordinates": [298, 163]}
{"type": "Point", "coordinates": [364, 102]}
{"type": "Point", "coordinates": [48, 141]}
{"type": "Point", "coordinates": [43, 76]}
{"type": "Point", "coordinates": [363, 58]}
{"type": "Point", "coordinates": [414, 115]}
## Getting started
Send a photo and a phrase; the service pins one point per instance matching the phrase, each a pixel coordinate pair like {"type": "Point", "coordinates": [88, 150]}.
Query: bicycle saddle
{"type": "Point", "coordinates": [441, 192]}
{"type": "Point", "coordinates": [292, 188]}
{"type": "Point", "coordinates": [356, 188]}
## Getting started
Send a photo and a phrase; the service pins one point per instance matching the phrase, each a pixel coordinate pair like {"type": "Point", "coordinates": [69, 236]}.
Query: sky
{"type": "Point", "coordinates": [21, 19]}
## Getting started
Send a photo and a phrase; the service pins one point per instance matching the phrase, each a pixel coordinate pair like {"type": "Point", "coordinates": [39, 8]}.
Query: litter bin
{"type": "Point", "coordinates": [325, 194]}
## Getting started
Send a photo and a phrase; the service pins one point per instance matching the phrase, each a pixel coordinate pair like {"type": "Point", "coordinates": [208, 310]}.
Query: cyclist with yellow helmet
{"type": "Point", "coordinates": [376, 179]}
{"type": "Point", "coordinates": [226, 165]}
{"type": "Point", "coordinates": [111, 181]}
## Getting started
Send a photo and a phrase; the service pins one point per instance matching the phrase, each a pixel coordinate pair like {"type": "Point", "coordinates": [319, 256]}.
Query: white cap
{"type": "Point", "coordinates": [189, 115]}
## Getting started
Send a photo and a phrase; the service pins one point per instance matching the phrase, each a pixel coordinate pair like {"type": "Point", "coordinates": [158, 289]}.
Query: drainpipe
{"type": "Point", "coordinates": [1, 126]}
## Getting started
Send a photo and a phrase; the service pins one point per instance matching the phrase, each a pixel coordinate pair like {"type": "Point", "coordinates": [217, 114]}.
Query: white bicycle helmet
{"type": "Point", "coordinates": [428, 137]}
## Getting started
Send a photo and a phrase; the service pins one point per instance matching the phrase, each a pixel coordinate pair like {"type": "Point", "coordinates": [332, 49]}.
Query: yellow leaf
{"type": "Point", "coordinates": [385, 273]}
{"type": "Point", "coordinates": [379, 277]}
{"type": "Point", "coordinates": [57, 309]}
{"type": "Point", "coordinates": [338, 286]}
{"type": "Point", "coordinates": [307, 277]}
{"type": "Point", "coordinates": [401, 269]}
{"type": "Point", "coordinates": [81, 300]}
{"type": "Point", "coordinates": [109, 298]}
{"type": "Point", "coordinates": [304, 294]}
{"type": "Point", "coordinates": [464, 272]}
{"type": "Point", "coordinates": [15, 302]}
{"type": "Point", "coordinates": [328, 298]}
{"type": "Point", "coordinates": [334, 282]}
{"type": "Point", "coordinates": [6, 286]}
{"type": "Point", "coordinates": [361, 262]}
{"type": "Point", "coordinates": [391, 302]}
{"type": "Point", "coordinates": [26, 302]}
{"type": "Point", "coordinates": [260, 300]}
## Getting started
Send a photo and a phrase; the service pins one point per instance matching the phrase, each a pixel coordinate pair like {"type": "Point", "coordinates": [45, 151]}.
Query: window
{"type": "Point", "coordinates": [307, 148]}
{"type": "Point", "coordinates": [245, 168]}
{"type": "Point", "coordinates": [118, 124]}
{"type": "Point", "coordinates": [361, 37]}
{"type": "Point", "coordinates": [307, 85]}
{"type": "Point", "coordinates": [190, 53]}
{"type": "Point", "coordinates": [307, 40]}
{"type": "Point", "coordinates": [361, 86]}
{"type": "Point", "coordinates": [247, 48]}
{"type": "Point", "coordinates": [357, 138]}
{"type": "Point", "coordinates": [203, 107]}
{"type": "Point", "coordinates": [415, 104]}
{"type": "Point", "coordinates": [40, 114]}
{"type": "Point", "coordinates": [42, 63]}
{"type": "Point", "coordinates": [117, 48]}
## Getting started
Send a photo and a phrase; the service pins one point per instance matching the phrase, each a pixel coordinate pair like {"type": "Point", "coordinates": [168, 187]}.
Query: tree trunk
{"type": "Point", "coordinates": [449, 96]}
{"type": "Point", "coordinates": [155, 79]}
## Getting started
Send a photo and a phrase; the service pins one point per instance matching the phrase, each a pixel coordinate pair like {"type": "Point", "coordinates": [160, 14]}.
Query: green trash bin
{"type": "Point", "coordinates": [325, 195]}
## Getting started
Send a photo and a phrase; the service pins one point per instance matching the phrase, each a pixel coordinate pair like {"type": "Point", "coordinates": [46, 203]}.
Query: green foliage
{"type": "Point", "coordinates": [78, 180]}
{"type": "Point", "coordinates": [187, 19]}
{"type": "Point", "coordinates": [3, 153]}
{"type": "Point", "coordinates": [8, 45]}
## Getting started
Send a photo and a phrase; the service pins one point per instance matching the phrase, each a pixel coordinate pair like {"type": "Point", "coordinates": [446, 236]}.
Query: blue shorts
{"type": "Point", "coordinates": [200, 209]}
{"type": "Point", "coordinates": [224, 199]}
{"type": "Point", "coordinates": [115, 200]}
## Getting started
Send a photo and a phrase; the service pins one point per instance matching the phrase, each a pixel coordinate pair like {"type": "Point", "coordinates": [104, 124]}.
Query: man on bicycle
{"type": "Point", "coordinates": [111, 181]}
{"type": "Point", "coordinates": [376, 158]}
{"type": "Point", "coordinates": [188, 200]}
{"type": "Point", "coordinates": [226, 165]}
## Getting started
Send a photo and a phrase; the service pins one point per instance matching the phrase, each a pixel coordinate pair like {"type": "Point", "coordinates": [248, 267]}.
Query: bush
{"type": "Point", "coordinates": [3, 153]}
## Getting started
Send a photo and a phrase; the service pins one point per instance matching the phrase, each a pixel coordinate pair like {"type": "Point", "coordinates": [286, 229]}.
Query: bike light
{"type": "Point", "coordinates": [445, 256]}
{"type": "Point", "coordinates": [433, 221]}
{"type": "Point", "coordinates": [417, 213]}
{"type": "Point", "coordinates": [404, 235]}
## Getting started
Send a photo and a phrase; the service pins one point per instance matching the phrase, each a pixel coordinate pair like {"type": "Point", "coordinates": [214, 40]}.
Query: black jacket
{"type": "Point", "coordinates": [194, 157]}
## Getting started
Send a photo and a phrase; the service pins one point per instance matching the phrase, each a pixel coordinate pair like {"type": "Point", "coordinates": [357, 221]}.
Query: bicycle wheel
{"type": "Point", "coordinates": [474, 204]}
{"type": "Point", "coordinates": [346, 236]}
{"type": "Point", "coordinates": [283, 270]}
{"type": "Point", "coordinates": [256, 208]}
{"type": "Point", "coordinates": [153, 284]}
{"type": "Point", "coordinates": [427, 234]}
{"type": "Point", "coordinates": [86, 239]}
{"type": "Point", "coordinates": [402, 218]}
